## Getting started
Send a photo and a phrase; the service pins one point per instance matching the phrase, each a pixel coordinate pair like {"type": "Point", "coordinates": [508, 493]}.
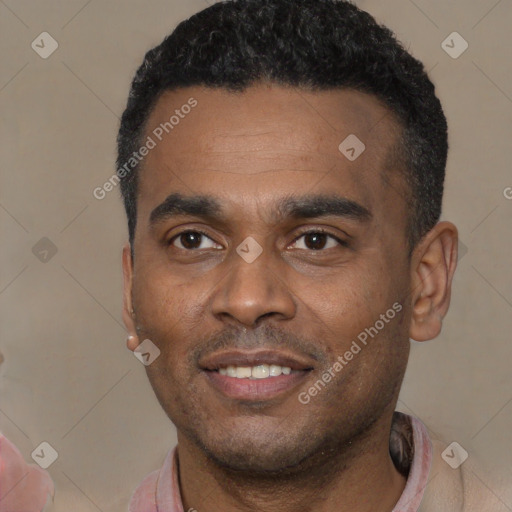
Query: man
{"type": "Point", "coordinates": [282, 166]}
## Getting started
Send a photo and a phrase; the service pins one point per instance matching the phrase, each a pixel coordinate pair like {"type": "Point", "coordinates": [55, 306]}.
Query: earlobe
{"type": "Point", "coordinates": [132, 341]}
{"type": "Point", "coordinates": [433, 265]}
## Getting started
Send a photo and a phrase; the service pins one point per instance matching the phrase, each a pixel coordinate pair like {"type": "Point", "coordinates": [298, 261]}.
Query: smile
{"type": "Point", "coordinates": [255, 376]}
{"type": "Point", "coordinates": [262, 371]}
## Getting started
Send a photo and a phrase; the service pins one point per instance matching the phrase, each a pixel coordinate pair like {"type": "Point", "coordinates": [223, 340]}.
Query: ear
{"type": "Point", "coordinates": [128, 315]}
{"type": "Point", "coordinates": [433, 264]}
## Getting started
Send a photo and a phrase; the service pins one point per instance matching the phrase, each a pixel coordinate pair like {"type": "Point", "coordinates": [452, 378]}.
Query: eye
{"type": "Point", "coordinates": [317, 240]}
{"type": "Point", "coordinates": [193, 240]}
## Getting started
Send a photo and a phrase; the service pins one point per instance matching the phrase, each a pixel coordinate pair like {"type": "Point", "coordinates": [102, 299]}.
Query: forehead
{"type": "Point", "coordinates": [266, 142]}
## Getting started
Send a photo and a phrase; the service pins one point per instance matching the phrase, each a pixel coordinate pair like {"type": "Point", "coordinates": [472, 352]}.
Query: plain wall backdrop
{"type": "Point", "coordinates": [68, 378]}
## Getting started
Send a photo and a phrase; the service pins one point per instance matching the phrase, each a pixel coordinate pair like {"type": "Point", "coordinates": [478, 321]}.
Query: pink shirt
{"type": "Point", "coordinates": [160, 492]}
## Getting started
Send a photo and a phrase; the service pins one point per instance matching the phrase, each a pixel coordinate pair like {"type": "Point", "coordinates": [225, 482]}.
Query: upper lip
{"type": "Point", "coordinates": [226, 358]}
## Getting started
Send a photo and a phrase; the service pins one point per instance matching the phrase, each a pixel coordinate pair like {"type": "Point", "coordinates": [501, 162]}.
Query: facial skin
{"type": "Point", "coordinates": [307, 296]}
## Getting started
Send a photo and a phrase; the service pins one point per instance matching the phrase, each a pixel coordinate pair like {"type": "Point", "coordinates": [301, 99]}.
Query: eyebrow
{"type": "Point", "coordinates": [295, 207]}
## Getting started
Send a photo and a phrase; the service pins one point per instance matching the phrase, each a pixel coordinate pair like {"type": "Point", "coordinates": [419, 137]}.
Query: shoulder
{"type": "Point", "coordinates": [457, 482]}
{"type": "Point", "coordinates": [143, 498]}
{"type": "Point", "coordinates": [159, 491]}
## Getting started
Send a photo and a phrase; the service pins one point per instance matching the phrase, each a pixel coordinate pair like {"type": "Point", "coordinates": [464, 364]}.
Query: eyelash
{"type": "Point", "coordinates": [343, 243]}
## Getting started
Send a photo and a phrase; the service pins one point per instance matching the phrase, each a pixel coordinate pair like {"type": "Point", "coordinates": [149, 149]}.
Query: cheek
{"type": "Point", "coordinates": [163, 310]}
{"type": "Point", "coordinates": [345, 301]}
{"type": "Point", "coordinates": [159, 297]}
{"type": "Point", "coordinates": [348, 309]}
{"type": "Point", "coordinates": [162, 315]}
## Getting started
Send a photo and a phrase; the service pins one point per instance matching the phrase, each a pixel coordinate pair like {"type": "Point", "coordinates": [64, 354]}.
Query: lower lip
{"type": "Point", "coordinates": [255, 389]}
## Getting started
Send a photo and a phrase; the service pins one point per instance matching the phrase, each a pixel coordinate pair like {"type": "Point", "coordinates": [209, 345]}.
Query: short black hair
{"type": "Point", "coordinates": [309, 44]}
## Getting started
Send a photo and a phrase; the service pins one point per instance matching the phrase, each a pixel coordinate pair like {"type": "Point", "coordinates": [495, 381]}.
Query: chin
{"type": "Point", "coordinates": [258, 452]}
{"type": "Point", "coordinates": [256, 460]}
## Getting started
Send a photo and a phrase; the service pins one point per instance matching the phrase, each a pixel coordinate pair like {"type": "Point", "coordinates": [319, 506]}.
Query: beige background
{"type": "Point", "coordinates": [67, 377]}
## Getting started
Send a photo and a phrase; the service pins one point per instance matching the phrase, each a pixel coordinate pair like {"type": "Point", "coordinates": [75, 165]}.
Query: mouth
{"type": "Point", "coordinates": [255, 375]}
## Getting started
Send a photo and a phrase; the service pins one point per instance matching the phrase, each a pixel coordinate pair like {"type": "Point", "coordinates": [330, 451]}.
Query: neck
{"type": "Point", "coordinates": [360, 477]}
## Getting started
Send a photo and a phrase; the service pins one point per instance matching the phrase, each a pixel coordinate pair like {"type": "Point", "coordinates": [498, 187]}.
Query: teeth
{"type": "Point", "coordinates": [262, 371]}
{"type": "Point", "coordinates": [275, 370]}
{"type": "Point", "coordinates": [243, 372]}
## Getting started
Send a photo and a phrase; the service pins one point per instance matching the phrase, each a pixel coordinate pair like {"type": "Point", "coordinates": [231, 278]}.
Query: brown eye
{"type": "Point", "coordinates": [318, 240]}
{"type": "Point", "coordinates": [315, 241]}
{"type": "Point", "coordinates": [191, 240]}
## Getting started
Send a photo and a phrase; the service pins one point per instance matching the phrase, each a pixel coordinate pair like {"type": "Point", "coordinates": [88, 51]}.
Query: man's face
{"type": "Point", "coordinates": [263, 157]}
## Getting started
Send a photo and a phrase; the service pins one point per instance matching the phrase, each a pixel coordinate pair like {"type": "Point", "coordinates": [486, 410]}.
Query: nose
{"type": "Point", "coordinates": [251, 291]}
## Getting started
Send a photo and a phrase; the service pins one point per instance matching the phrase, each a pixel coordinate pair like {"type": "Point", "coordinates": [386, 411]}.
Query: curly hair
{"type": "Point", "coordinates": [310, 44]}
